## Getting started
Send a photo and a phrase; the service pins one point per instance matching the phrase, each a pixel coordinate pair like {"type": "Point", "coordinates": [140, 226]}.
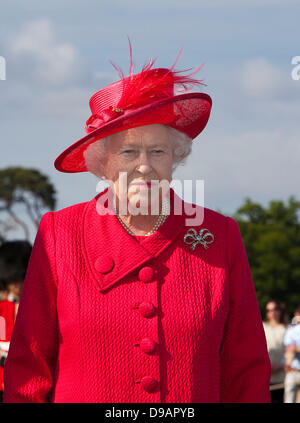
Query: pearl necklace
{"type": "Point", "coordinates": [161, 218]}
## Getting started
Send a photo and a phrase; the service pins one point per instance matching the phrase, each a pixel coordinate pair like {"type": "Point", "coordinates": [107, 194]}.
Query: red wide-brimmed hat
{"type": "Point", "coordinates": [140, 99]}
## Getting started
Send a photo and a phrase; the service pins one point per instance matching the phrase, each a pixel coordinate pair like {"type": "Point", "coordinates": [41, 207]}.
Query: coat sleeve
{"type": "Point", "coordinates": [30, 364]}
{"type": "Point", "coordinates": [245, 364]}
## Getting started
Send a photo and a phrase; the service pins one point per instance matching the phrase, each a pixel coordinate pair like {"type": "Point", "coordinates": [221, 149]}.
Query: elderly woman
{"type": "Point", "coordinates": [126, 298]}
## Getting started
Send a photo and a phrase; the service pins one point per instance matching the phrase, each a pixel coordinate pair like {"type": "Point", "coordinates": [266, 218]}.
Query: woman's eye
{"type": "Point", "coordinates": [128, 151]}
{"type": "Point", "coordinates": [157, 151]}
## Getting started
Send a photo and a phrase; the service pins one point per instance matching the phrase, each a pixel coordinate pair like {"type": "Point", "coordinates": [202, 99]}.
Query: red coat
{"type": "Point", "coordinates": [106, 318]}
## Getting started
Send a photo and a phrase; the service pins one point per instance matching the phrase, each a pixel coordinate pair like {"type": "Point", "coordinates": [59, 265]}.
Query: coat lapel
{"type": "Point", "coordinates": [111, 252]}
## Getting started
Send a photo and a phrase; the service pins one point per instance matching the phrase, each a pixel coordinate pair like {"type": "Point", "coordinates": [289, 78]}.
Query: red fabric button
{"type": "Point", "coordinates": [104, 264]}
{"type": "Point", "coordinates": [147, 345]}
{"type": "Point", "coordinates": [149, 384]}
{"type": "Point", "coordinates": [147, 309]}
{"type": "Point", "coordinates": [146, 274]}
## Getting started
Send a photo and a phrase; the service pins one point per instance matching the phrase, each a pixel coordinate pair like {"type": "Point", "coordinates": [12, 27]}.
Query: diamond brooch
{"type": "Point", "coordinates": [193, 239]}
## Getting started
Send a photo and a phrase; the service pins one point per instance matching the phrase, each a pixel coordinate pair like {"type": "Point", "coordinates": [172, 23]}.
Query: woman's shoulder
{"type": "Point", "coordinates": [79, 210]}
{"type": "Point", "coordinates": [216, 216]}
{"type": "Point", "coordinates": [65, 220]}
{"type": "Point", "coordinates": [204, 216]}
{"type": "Point", "coordinates": [72, 210]}
{"type": "Point", "coordinates": [69, 213]}
{"type": "Point", "coordinates": [271, 328]}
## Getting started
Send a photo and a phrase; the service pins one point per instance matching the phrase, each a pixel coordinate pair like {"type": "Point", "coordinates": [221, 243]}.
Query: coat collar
{"type": "Point", "coordinates": [112, 253]}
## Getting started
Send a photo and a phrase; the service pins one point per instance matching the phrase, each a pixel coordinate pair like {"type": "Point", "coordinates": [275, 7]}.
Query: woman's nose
{"type": "Point", "coordinates": [144, 164]}
{"type": "Point", "coordinates": [144, 169]}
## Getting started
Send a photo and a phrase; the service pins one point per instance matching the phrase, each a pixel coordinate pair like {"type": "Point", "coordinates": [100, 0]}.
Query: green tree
{"type": "Point", "coordinates": [27, 187]}
{"type": "Point", "coordinates": [272, 240]}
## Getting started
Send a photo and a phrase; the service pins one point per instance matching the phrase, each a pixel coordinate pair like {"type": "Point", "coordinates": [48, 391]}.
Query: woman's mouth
{"type": "Point", "coordinates": [141, 184]}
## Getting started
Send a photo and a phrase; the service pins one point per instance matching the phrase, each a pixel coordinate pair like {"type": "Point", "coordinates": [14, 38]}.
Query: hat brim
{"type": "Point", "coordinates": [188, 113]}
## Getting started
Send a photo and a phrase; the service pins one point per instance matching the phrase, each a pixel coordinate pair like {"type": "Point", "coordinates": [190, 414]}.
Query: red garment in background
{"type": "Point", "coordinates": [8, 312]}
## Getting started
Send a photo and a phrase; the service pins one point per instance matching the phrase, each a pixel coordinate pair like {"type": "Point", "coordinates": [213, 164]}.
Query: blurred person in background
{"type": "Point", "coordinates": [275, 326]}
{"type": "Point", "coordinates": [3, 290]}
{"type": "Point", "coordinates": [292, 359]}
{"type": "Point", "coordinates": [284, 315]}
{"type": "Point", "coordinates": [3, 344]}
{"type": "Point", "coordinates": [14, 257]}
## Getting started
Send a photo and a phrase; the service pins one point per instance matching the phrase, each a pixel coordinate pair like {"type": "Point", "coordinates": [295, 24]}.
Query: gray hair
{"type": "Point", "coordinates": [95, 153]}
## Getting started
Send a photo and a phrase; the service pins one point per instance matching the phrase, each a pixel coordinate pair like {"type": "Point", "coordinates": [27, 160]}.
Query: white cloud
{"type": "Point", "coordinates": [70, 103]}
{"type": "Point", "coordinates": [54, 62]}
{"type": "Point", "coordinates": [259, 78]}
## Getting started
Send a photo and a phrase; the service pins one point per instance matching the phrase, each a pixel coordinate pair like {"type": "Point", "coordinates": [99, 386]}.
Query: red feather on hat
{"type": "Point", "coordinates": [140, 88]}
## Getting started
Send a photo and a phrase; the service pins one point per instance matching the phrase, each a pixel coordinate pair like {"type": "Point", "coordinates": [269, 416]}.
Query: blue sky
{"type": "Point", "coordinates": [58, 54]}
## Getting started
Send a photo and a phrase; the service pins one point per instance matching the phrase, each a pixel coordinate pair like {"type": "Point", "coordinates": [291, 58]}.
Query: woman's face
{"type": "Point", "coordinates": [144, 153]}
{"type": "Point", "coordinates": [272, 311]}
